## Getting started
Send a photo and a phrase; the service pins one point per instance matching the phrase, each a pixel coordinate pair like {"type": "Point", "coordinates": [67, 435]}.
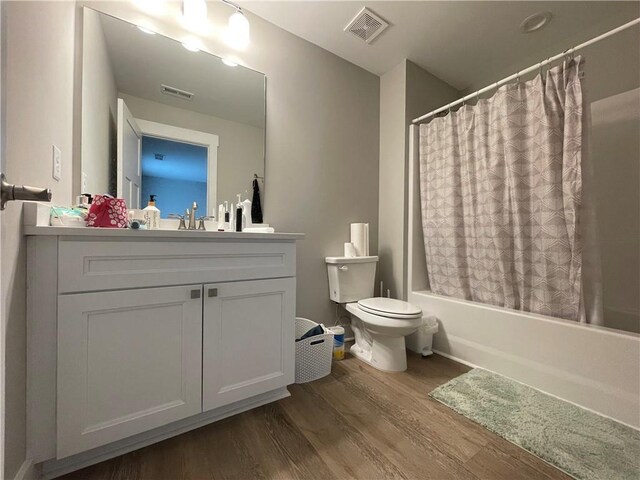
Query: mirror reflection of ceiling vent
{"type": "Point", "coordinates": [176, 92]}
{"type": "Point", "coordinates": [366, 25]}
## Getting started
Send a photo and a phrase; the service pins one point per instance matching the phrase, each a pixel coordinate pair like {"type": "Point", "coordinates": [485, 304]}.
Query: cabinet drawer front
{"type": "Point", "coordinates": [248, 339]}
{"type": "Point", "coordinates": [128, 361]}
{"type": "Point", "coordinates": [106, 265]}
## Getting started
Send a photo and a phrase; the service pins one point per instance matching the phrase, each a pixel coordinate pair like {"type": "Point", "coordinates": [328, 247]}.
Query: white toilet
{"type": "Point", "coordinates": [379, 324]}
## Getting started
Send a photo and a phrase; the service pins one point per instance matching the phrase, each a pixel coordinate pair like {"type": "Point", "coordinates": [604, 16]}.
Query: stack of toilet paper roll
{"type": "Point", "coordinates": [359, 244]}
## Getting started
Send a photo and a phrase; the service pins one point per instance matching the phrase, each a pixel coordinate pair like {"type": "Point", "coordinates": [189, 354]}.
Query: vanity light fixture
{"type": "Point", "coordinates": [238, 30]}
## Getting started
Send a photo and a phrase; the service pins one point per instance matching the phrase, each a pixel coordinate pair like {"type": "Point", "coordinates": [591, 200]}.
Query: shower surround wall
{"type": "Point", "coordinates": [616, 162]}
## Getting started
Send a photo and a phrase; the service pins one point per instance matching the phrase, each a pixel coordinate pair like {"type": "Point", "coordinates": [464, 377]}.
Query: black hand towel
{"type": "Point", "coordinates": [256, 207]}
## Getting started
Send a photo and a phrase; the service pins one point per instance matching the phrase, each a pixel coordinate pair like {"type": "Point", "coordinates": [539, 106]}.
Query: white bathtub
{"type": "Point", "coordinates": [594, 367]}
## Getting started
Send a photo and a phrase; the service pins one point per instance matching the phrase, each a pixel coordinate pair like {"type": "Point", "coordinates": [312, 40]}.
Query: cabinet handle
{"type": "Point", "coordinates": [195, 293]}
{"type": "Point", "coordinates": [213, 292]}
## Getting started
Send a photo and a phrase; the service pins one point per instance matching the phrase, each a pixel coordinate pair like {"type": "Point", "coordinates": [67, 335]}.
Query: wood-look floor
{"type": "Point", "coordinates": [356, 423]}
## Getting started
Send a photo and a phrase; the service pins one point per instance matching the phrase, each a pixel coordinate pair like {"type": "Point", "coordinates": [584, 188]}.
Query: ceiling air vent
{"type": "Point", "coordinates": [176, 92]}
{"type": "Point", "coordinates": [366, 25]}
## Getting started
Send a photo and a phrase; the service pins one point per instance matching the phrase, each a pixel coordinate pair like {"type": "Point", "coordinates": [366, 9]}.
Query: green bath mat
{"type": "Point", "coordinates": [581, 443]}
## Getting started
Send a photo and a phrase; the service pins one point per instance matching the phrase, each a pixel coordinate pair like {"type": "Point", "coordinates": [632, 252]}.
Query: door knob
{"type": "Point", "coordinates": [15, 192]}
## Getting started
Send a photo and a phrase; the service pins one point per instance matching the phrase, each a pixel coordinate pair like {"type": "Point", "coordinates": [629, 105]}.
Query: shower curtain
{"type": "Point", "coordinates": [501, 190]}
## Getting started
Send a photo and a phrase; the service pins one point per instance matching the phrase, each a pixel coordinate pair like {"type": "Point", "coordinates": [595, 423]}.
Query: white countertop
{"type": "Point", "coordinates": [129, 233]}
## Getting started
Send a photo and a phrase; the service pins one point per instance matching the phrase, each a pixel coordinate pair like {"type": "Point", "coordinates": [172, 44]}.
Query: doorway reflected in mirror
{"type": "Point", "coordinates": [176, 173]}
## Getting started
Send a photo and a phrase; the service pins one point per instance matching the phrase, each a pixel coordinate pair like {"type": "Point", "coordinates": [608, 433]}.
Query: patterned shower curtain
{"type": "Point", "coordinates": [500, 187]}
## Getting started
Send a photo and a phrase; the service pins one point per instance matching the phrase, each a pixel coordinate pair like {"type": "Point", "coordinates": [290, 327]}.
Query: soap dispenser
{"type": "Point", "coordinates": [152, 213]}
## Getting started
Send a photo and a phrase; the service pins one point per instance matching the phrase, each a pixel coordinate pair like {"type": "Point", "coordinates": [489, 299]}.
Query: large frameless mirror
{"type": "Point", "coordinates": [161, 119]}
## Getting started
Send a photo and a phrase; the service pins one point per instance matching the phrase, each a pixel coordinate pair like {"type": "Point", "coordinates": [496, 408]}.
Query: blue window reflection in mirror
{"type": "Point", "coordinates": [176, 173]}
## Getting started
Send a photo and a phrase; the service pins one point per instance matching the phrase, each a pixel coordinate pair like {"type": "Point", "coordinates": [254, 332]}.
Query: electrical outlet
{"type": "Point", "coordinates": [57, 164]}
{"type": "Point", "coordinates": [84, 183]}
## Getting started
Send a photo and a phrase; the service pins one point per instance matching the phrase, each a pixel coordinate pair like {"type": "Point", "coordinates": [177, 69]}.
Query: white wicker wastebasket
{"type": "Point", "coordinates": [313, 354]}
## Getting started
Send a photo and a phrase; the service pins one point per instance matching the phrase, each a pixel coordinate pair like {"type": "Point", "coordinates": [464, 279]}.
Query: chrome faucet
{"type": "Point", "coordinates": [192, 216]}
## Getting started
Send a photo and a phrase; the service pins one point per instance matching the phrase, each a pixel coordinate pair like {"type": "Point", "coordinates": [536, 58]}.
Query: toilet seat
{"type": "Point", "coordinates": [390, 308]}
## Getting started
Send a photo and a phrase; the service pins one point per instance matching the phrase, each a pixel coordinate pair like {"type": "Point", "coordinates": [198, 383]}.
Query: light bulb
{"type": "Point", "coordinates": [146, 30]}
{"type": "Point", "coordinates": [191, 46]}
{"type": "Point", "coordinates": [238, 31]}
{"type": "Point", "coordinates": [194, 16]}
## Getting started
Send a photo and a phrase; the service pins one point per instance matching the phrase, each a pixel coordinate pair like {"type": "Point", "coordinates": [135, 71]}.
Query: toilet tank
{"type": "Point", "coordinates": [351, 278]}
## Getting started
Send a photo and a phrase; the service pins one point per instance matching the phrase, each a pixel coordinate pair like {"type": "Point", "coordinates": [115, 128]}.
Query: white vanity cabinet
{"type": "Point", "coordinates": [137, 336]}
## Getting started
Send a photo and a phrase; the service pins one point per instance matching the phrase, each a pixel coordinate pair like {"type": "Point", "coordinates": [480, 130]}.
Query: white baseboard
{"type": "Point", "coordinates": [27, 471]}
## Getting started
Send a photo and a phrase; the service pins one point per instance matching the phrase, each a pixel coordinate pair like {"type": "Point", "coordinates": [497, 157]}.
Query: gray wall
{"type": "Point", "coordinates": [38, 62]}
{"type": "Point", "coordinates": [391, 210]}
{"type": "Point", "coordinates": [322, 154]}
{"type": "Point", "coordinates": [406, 92]}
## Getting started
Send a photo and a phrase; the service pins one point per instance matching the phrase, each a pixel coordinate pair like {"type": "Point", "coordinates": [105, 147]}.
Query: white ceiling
{"type": "Point", "coordinates": [142, 62]}
{"type": "Point", "coordinates": [461, 42]}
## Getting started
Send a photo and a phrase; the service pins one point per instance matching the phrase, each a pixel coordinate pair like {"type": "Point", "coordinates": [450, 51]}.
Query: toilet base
{"type": "Point", "coordinates": [382, 352]}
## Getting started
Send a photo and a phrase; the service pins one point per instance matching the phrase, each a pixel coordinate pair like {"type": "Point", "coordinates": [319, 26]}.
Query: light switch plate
{"type": "Point", "coordinates": [84, 183]}
{"type": "Point", "coordinates": [57, 164]}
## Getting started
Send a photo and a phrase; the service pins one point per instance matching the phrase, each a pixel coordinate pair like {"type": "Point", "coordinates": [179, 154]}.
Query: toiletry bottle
{"type": "Point", "coordinates": [153, 214]}
{"type": "Point", "coordinates": [232, 220]}
{"type": "Point", "coordinates": [221, 218]}
{"type": "Point", "coordinates": [226, 216]}
{"type": "Point", "coordinates": [246, 214]}
{"type": "Point", "coordinates": [239, 214]}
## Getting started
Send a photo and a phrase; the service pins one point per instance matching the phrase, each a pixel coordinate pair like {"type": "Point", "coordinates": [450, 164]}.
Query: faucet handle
{"type": "Point", "coordinates": [182, 225]}
{"type": "Point", "coordinates": [202, 219]}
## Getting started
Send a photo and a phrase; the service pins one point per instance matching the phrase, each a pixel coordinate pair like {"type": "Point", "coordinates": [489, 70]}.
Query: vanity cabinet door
{"type": "Point", "coordinates": [248, 339]}
{"type": "Point", "coordinates": [128, 361]}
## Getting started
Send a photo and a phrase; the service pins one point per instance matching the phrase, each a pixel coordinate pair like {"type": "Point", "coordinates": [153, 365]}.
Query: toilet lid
{"type": "Point", "coordinates": [389, 307]}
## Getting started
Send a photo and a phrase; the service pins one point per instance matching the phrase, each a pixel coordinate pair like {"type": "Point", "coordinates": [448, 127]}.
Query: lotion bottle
{"type": "Point", "coordinates": [246, 214]}
{"type": "Point", "coordinates": [152, 213]}
{"type": "Point", "coordinates": [221, 218]}
{"type": "Point", "coordinates": [226, 216]}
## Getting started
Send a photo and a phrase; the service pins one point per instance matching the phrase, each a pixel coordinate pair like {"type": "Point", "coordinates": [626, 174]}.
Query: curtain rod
{"type": "Point", "coordinates": [528, 70]}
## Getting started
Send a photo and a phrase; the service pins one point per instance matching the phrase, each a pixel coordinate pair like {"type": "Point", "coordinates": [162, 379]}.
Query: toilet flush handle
{"type": "Point", "coordinates": [343, 268]}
